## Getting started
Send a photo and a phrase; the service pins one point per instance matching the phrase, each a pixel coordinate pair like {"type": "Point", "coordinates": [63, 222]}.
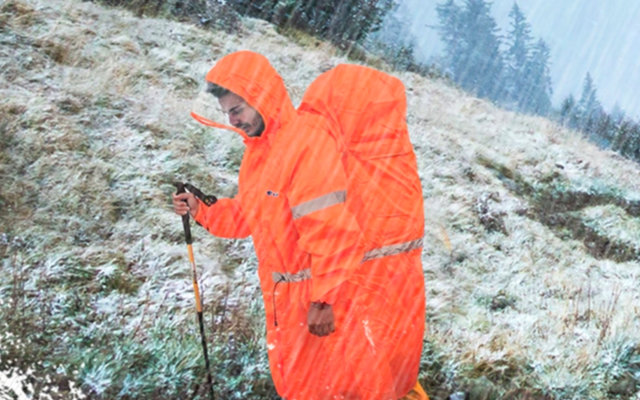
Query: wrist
{"type": "Point", "coordinates": [320, 305]}
{"type": "Point", "coordinates": [194, 210]}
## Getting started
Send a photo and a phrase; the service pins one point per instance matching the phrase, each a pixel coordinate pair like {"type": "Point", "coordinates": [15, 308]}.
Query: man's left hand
{"type": "Point", "coordinates": [320, 319]}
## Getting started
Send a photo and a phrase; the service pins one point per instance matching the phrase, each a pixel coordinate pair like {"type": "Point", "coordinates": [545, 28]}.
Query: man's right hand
{"type": "Point", "coordinates": [181, 208]}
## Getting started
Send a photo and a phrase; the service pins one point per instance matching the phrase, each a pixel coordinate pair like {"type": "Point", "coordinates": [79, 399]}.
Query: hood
{"type": "Point", "coordinates": [250, 76]}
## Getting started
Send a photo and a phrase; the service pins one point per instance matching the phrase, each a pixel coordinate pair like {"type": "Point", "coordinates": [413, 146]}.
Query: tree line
{"type": "Point", "coordinates": [513, 70]}
{"type": "Point", "coordinates": [343, 22]}
{"type": "Point", "coordinates": [612, 130]}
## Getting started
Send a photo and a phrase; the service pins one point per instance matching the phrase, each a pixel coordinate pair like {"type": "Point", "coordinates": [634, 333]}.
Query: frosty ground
{"type": "Point", "coordinates": [531, 246]}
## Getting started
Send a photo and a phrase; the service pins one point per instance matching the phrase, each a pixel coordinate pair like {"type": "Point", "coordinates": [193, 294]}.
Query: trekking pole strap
{"type": "Point", "coordinates": [207, 199]}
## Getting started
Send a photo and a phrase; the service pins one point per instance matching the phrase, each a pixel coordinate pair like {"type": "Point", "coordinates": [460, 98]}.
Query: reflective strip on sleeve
{"type": "Point", "coordinates": [288, 277]}
{"type": "Point", "coordinates": [392, 250]}
{"type": "Point", "coordinates": [319, 203]}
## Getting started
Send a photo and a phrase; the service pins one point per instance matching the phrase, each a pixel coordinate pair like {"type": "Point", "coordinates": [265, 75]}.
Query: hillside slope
{"type": "Point", "coordinates": [531, 250]}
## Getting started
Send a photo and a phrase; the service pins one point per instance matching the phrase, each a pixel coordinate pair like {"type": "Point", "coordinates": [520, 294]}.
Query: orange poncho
{"type": "Point", "coordinates": [310, 247]}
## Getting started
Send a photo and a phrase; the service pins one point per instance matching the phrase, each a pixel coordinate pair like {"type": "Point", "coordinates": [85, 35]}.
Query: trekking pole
{"type": "Point", "coordinates": [187, 233]}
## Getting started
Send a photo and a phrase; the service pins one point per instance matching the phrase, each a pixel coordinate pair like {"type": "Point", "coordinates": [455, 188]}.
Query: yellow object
{"type": "Point", "coordinates": [445, 239]}
{"type": "Point", "coordinates": [191, 258]}
{"type": "Point", "coordinates": [417, 393]}
{"type": "Point", "coordinates": [195, 280]}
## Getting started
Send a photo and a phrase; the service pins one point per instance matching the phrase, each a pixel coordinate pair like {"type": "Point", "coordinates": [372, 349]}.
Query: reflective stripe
{"type": "Point", "coordinates": [392, 250]}
{"type": "Point", "coordinates": [319, 203]}
{"type": "Point", "coordinates": [288, 277]}
{"type": "Point", "coordinates": [380, 252]}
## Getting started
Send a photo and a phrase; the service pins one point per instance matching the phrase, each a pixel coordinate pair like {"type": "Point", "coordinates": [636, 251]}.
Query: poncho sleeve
{"type": "Point", "coordinates": [327, 230]}
{"type": "Point", "coordinates": [223, 219]}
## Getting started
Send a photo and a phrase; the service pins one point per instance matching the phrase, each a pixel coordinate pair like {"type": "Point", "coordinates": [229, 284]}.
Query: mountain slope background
{"type": "Point", "coordinates": [531, 248]}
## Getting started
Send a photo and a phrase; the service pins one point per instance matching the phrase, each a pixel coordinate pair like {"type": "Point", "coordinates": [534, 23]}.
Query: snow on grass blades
{"type": "Point", "coordinates": [85, 137]}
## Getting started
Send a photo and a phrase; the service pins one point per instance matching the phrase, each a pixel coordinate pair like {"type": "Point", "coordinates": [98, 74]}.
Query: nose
{"type": "Point", "coordinates": [234, 120]}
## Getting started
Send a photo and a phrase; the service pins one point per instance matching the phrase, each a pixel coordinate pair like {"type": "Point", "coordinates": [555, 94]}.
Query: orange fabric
{"type": "Point", "coordinates": [378, 305]}
{"type": "Point", "coordinates": [385, 194]}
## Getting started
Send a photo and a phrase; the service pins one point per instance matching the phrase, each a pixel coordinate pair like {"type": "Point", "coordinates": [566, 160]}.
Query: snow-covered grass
{"type": "Point", "coordinates": [95, 128]}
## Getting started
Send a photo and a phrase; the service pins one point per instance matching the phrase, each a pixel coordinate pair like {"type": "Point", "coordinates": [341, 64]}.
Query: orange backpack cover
{"type": "Point", "coordinates": [368, 108]}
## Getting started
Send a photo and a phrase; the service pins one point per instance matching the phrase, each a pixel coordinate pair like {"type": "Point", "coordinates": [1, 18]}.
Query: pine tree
{"type": "Point", "coordinates": [568, 112]}
{"type": "Point", "coordinates": [352, 20]}
{"type": "Point", "coordinates": [634, 153]}
{"type": "Point", "coordinates": [627, 140]}
{"type": "Point", "coordinates": [518, 58]}
{"type": "Point", "coordinates": [393, 41]}
{"type": "Point", "coordinates": [605, 131]}
{"type": "Point", "coordinates": [536, 84]}
{"type": "Point", "coordinates": [472, 45]}
{"type": "Point", "coordinates": [451, 34]}
{"type": "Point", "coordinates": [483, 63]}
{"type": "Point", "coordinates": [617, 113]}
{"type": "Point", "coordinates": [588, 107]}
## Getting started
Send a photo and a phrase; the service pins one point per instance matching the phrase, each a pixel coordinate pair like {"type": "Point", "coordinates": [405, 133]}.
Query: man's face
{"type": "Point", "coordinates": [241, 115]}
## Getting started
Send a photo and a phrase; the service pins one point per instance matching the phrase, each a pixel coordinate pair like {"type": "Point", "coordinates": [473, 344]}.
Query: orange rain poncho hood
{"type": "Point", "coordinates": [250, 76]}
{"type": "Point", "coordinates": [292, 200]}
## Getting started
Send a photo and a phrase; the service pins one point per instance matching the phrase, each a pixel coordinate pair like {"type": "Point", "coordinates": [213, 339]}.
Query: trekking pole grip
{"type": "Point", "coordinates": [185, 218]}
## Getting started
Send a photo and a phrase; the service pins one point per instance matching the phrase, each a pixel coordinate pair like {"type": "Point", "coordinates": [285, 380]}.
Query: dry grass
{"type": "Point", "coordinates": [94, 125]}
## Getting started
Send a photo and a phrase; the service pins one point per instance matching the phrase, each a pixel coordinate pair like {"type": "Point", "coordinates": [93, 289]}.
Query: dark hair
{"type": "Point", "coordinates": [217, 90]}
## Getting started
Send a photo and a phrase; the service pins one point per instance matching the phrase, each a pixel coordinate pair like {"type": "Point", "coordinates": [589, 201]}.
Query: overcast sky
{"type": "Point", "coordinates": [597, 36]}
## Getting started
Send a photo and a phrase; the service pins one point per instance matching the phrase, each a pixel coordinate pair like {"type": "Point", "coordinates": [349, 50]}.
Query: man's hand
{"type": "Point", "coordinates": [181, 208]}
{"type": "Point", "coordinates": [320, 319]}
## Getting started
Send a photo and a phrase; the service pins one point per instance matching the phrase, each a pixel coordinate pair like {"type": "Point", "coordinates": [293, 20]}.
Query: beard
{"type": "Point", "coordinates": [257, 132]}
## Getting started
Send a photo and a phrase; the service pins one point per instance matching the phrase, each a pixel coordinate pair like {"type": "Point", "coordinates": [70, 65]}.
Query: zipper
{"type": "Point", "coordinates": [273, 298]}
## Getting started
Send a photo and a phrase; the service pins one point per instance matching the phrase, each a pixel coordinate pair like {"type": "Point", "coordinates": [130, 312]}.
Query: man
{"type": "Point", "coordinates": [341, 323]}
